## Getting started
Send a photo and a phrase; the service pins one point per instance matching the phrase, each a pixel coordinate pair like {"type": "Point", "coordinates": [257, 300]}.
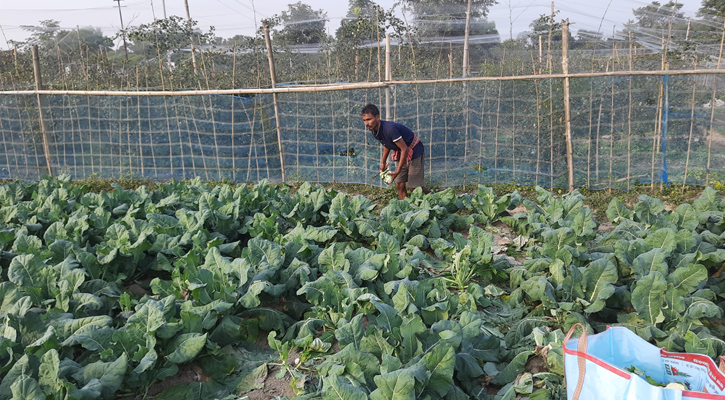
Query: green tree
{"type": "Point", "coordinates": [48, 35]}
{"type": "Point", "coordinates": [438, 18]}
{"type": "Point", "coordinates": [164, 35]}
{"type": "Point", "coordinates": [301, 25]}
{"type": "Point", "coordinates": [656, 15]}
{"type": "Point", "coordinates": [713, 8]}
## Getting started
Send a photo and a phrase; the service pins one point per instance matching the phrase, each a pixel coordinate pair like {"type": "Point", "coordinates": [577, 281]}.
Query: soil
{"type": "Point", "coordinates": [606, 227]}
{"type": "Point", "coordinates": [273, 387]}
{"type": "Point", "coordinates": [536, 364]}
{"type": "Point", "coordinates": [188, 373]}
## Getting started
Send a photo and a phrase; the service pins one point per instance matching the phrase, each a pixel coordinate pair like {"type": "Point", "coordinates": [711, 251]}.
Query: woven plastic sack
{"type": "Point", "coordinates": [595, 369]}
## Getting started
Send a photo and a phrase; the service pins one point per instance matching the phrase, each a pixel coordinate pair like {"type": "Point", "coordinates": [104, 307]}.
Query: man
{"type": "Point", "coordinates": [407, 150]}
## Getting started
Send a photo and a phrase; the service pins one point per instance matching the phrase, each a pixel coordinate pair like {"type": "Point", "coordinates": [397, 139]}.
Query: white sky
{"type": "Point", "coordinates": [231, 17]}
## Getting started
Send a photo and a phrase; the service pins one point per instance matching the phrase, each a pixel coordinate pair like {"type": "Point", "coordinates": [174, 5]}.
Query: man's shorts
{"type": "Point", "coordinates": [413, 173]}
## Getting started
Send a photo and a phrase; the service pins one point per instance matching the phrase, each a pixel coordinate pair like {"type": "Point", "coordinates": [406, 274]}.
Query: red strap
{"type": "Point", "coordinates": [395, 156]}
{"type": "Point", "coordinates": [581, 348]}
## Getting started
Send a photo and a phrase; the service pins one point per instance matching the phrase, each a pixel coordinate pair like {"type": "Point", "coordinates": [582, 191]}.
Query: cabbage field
{"type": "Point", "coordinates": [201, 291]}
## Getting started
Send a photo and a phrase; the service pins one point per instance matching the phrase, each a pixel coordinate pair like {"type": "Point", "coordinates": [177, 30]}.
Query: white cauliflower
{"type": "Point", "coordinates": [385, 175]}
{"type": "Point", "coordinates": [675, 385]}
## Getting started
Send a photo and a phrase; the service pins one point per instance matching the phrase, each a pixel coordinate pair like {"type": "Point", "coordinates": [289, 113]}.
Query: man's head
{"type": "Point", "coordinates": [371, 117]}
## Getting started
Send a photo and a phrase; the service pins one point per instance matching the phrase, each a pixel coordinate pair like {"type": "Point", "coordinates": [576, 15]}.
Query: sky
{"type": "Point", "coordinates": [231, 17]}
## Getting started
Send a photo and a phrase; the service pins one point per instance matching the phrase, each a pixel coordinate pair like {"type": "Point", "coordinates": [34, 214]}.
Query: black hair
{"type": "Point", "coordinates": [370, 109]}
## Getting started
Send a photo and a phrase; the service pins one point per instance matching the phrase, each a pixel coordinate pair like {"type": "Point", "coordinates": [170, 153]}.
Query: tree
{"type": "Point", "coordinates": [164, 35]}
{"type": "Point", "coordinates": [48, 35]}
{"type": "Point", "coordinates": [656, 23]}
{"type": "Point", "coordinates": [302, 25]}
{"type": "Point", "coordinates": [437, 18]}
{"type": "Point", "coordinates": [656, 15]}
{"type": "Point", "coordinates": [712, 8]}
{"type": "Point", "coordinates": [543, 25]}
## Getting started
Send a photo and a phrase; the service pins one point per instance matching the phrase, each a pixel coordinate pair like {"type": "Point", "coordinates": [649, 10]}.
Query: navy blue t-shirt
{"type": "Point", "coordinates": [390, 131]}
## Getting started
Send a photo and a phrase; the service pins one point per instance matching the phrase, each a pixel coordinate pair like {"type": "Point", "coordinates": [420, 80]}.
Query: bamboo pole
{"type": "Point", "coordinates": [692, 128]}
{"type": "Point", "coordinates": [611, 127]}
{"type": "Point", "coordinates": [567, 100]}
{"type": "Point", "coordinates": [549, 62]}
{"type": "Point", "coordinates": [589, 142]}
{"type": "Point", "coordinates": [191, 37]}
{"type": "Point", "coordinates": [388, 77]}
{"type": "Point", "coordinates": [665, 113]}
{"type": "Point", "coordinates": [234, 101]}
{"type": "Point", "coordinates": [128, 126]}
{"type": "Point", "coordinates": [513, 130]}
{"type": "Point", "coordinates": [450, 60]}
{"type": "Point", "coordinates": [466, 66]}
{"type": "Point", "coordinates": [629, 115]}
{"type": "Point", "coordinates": [317, 133]}
{"type": "Point", "coordinates": [658, 118]}
{"type": "Point", "coordinates": [538, 114]}
{"type": "Point", "coordinates": [498, 117]}
{"type": "Point", "coordinates": [360, 85]}
{"type": "Point", "coordinates": [38, 86]}
{"type": "Point", "coordinates": [332, 111]}
{"type": "Point", "coordinates": [480, 139]}
{"type": "Point", "coordinates": [377, 29]}
{"type": "Point", "coordinates": [712, 112]}
{"type": "Point", "coordinates": [138, 116]}
{"type": "Point", "coordinates": [273, 77]}
{"type": "Point", "coordinates": [153, 152]}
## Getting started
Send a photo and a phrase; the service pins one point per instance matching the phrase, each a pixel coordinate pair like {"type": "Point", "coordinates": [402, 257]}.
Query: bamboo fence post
{"type": "Point", "coordinates": [138, 116]}
{"type": "Point", "coordinates": [15, 58]}
{"type": "Point", "coordinates": [251, 138]}
{"type": "Point", "coordinates": [234, 101]}
{"type": "Point", "coordinates": [39, 86]}
{"type": "Point", "coordinates": [498, 119]}
{"type": "Point", "coordinates": [317, 136]}
{"type": "Point", "coordinates": [658, 119]}
{"type": "Point", "coordinates": [712, 112]}
{"type": "Point", "coordinates": [466, 66]}
{"type": "Point", "coordinates": [665, 115]}
{"type": "Point", "coordinates": [480, 140]}
{"type": "Point", "coordinates": [191, 37]}
{"type": "Point", "coordinates": [538, 113]}
{"type": "Point", "coordinates": [388, 77]}
{"type": "Point", "coordinates": [332, 112]}
{"type": "Point", "coordinates": [550, 68]}
{"type": "Point", "coordinates": [297, 134]}
{"type": "Point", "coordinates": [629, 114]}
{"type": "Point", "coordinates": [611, 125]}
{"type": "Point", "coordinates": [513, 129]}
{"type": "Point", "coordinates": [273, 77]}
{"type": "Point", "coordinates": [128, 126]}
{"type": "Point", "coordinates": [153, 153]}
{"type": "Point", "coordinates": [5, 145]}
{"type": "Point", "coordinates": [589, 144]}
{"type": "Point", "coordinates": [692, 127]}
{"type": "Point", "coordinates": [377, 29]}
{"type": "Point", "coordinates": [466, 95]}
{"type": "Point", "coordinates": [567, 100]}
{"type": "Point", "coordinates": [450, 61]}
{"type": "Point", "coordinates": [13, 147]}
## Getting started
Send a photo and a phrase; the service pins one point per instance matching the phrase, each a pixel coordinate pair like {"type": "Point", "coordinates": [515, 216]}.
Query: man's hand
{"type": "Point", "coordinates": [383, 167]}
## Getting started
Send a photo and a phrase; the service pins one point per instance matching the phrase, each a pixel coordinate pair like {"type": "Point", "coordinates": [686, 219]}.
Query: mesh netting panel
{"type": "Point", "coordinates": [213, 137]}
{"type": "Point", "coordinates": [625, 130]}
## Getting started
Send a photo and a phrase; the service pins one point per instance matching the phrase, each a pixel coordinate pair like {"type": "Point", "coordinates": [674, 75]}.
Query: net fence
{"type": "Point", "coordinates": [626, 129]}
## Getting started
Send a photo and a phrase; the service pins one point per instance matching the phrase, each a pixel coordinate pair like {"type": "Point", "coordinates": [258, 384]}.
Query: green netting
{"type": "Point", "coordinates": [625, 130]}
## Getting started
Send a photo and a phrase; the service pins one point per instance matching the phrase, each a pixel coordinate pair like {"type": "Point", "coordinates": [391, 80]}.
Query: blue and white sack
{"type": "Point", "coordinates": [595, 369]}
